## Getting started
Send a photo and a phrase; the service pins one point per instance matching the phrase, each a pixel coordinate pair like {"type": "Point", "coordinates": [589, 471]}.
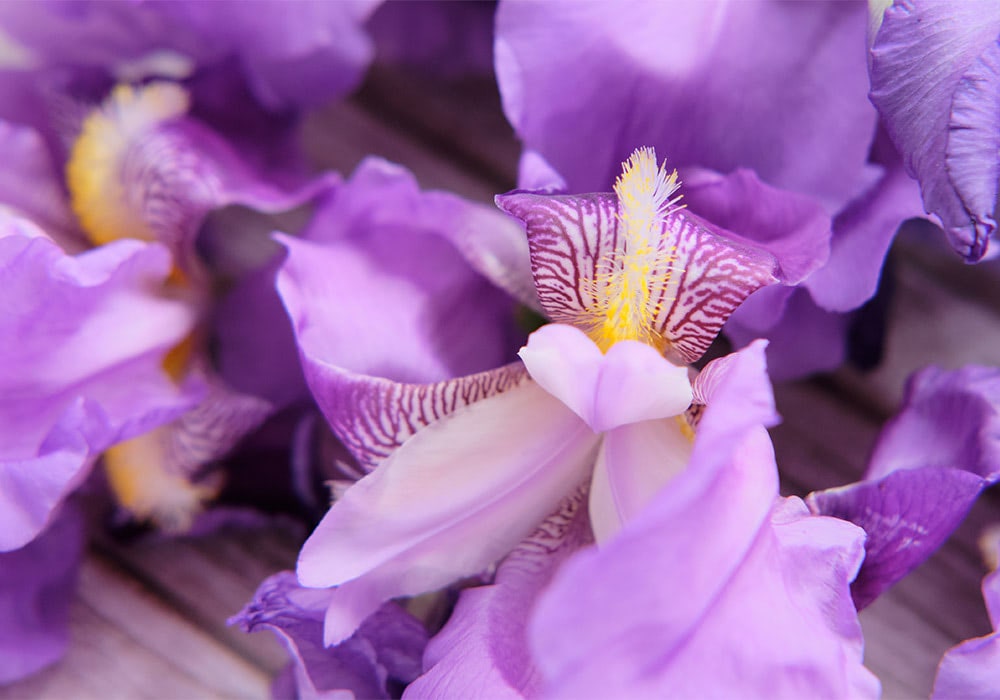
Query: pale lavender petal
{"type": "Point", "coordinates": [447, 503]}
{"type": "Point", "coordinates": [934, 75]}
{"type": "Point", "coordinates": [386, 649]}
{"type": "Point", "coordinates": [732, 455]}
{"type": "Point", "coordinates": [483, 649]}
{"type": "Point", "coordinates": [376, 285]}
{"type": "Point", "coordinates": [36, 586]}
{"type": "Point", "coordinates": [971, 670]}
{"type": "Point", "coordinates": [86, 371]}
{"type": "Point", "coordinates": [572, 239]}
{"type": "Point", "coordinates": [631, 382]}
{"type": "Point", "coordinates": [776, 88]}
{"type": "Point", "coordinates": [374, 416]}
{"type": "Point", "coordinates": [948, 419]}
{"type": "Point", "coordinates": [634, 463]}
{"type": "Point", "coordinates": [907, 515]}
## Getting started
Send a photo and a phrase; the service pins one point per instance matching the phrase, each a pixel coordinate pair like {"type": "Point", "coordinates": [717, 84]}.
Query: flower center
{"type": "Point", "coordinates": [108, 209]}
{"type": "Point", "coordinates": [625, 289]}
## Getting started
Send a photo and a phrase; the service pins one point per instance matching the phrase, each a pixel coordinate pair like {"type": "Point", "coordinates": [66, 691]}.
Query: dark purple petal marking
{"type": "Point", "coordinates": [694, 284]}
{"type": "Point", "coordinates": [375, 416]}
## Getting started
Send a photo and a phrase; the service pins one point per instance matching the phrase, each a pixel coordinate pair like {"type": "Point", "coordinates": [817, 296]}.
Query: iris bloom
{"type": "Point", "coordinates": [467, 468]}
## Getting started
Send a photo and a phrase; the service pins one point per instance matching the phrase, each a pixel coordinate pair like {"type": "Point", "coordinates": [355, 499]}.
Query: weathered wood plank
{"type": "Point", "coordinates": [125, 643]}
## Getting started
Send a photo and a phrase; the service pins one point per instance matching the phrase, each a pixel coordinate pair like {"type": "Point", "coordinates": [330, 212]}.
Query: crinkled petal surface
{"type": "Point", "coordinates": [386, 648]}
{"type": "Point", "coordinates": [86, 371]}
{"type": "Point", "coordinates": [574, 238]}
{"type": "Point", "coordinates": [906, 515]}
{"type": "Point", "coordinates": [948, 419]}
{"type": "Point", "coordinates": [36, 587]}
{"type": "Point", "coordinates": [376, 286]}
{"type": "Point", "coordinates": [972, 669]}
{"type": "Point", "coordinates": [483, 649]}
{"type": "Point", "coordinates": [450, 501]}
{"type": "Point", "coordinates": [778, 88]}
{"type": "Point", "coordinates": [935, 76]}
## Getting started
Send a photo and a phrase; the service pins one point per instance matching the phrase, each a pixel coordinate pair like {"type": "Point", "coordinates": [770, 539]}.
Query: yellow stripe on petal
{"type": "Point", "coordinates": [626, 289]}
{"type": "Point", "coordinates": [96, 171]}
{"type": "Point", "coordinates": [141, 482]}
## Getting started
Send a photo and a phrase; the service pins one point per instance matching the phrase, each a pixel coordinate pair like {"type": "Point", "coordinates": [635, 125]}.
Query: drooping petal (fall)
{"type": "Point", "coordinates": [385, 649]}
{"type": "Point", "coordinates": [447, 503]}
{"type": "Point", "coordinates": [935, 74]}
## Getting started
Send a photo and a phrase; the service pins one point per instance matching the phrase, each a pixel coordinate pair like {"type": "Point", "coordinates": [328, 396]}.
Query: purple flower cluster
{"type": "Point", "coordinates": [595, 504]}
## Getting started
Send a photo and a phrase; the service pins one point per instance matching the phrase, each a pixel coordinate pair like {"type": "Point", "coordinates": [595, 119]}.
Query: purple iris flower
{"type": "Point", "coordinates": [630, 279]}
{"type": "Point", "coordinates": [935, 72]}
{"type": "Point", "coordinates": [735, 92]}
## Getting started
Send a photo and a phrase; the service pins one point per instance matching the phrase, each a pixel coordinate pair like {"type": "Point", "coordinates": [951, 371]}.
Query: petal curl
{"type": "Point", "coordinates": [935, 79]}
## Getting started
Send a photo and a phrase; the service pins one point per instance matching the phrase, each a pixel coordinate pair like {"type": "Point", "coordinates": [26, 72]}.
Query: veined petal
{"type": "Point", "coordinates": [450, 501]}
{"type": "Point", "coordinates": [906, 514]}
{"type": "Point", "coordinates": [374, 416]}
{"type": "Point", "coordinates": [483, 649]}
{"type": "Point", "coordinates": [634, 463]}
{"type": "Point", "coordinates": [935, 77]}
{"type": "Point", "coordinates": [631, 383]}
{"type": "Point", "coordinates": [694, 278]}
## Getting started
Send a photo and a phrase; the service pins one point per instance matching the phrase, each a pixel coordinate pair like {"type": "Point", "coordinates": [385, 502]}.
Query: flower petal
{"type": "Point", "coordinates": [934, 76]}
{"type": "Point", "coordinates": [450, 501]}
{"type": "Point", "coordinates": [36, 587]}
{"type": "Point", "coordinates": [483, 648]}
{"type": "Point", "coordinates": [572, 238]}
{"type": "Point", "coordinates": [631, 383]}
{"type": "Point", "coordinates": [87, 369]}
{"type": "Point", "coordinates": [907, 515]}
{"type": "Point", "coordinates": [719, 85]}
{"type": "Point", "coordinates": [418, 311]}
{"type": "Point", "coordinates": [386, 648]}
{"type": "Point", "coordinates": [948, 419]}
